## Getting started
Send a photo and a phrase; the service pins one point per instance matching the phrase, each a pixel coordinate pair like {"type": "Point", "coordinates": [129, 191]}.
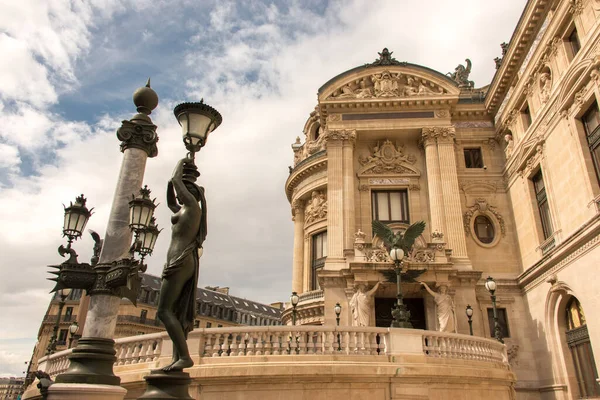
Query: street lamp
{"type": "Point", "coordinates": [147, 239]}
{"type": "Point", "coordinates": [197, 120]}
{"type": "Point", "coordinates": [294, 299]}
{"type": "Point", "coordinates": [73, 331]}
{"type": "Point", "coordinates": [141, 209]}
{"type": "Point", "coordinates": [469, 312]}
{"type": "Point", "coordinates": [400, 313]}
{"type": "Point", "coordinates": [490, 285]}
{"type": "Point", "coordinates": [338, 311]}
{"type": "Point", "coordinates": [63, 294]}
{"type": "Point", "coordinates": [76, 217]}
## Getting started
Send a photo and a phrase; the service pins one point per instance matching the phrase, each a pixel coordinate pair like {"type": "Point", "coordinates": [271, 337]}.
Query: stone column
{"type": "Point", "coordinates": [455, 233]}
{"type": "Point", "coordinates": [92, 360]}
{"type": "Point", "coordinates": [348, 182]}
{"type": "Point", "coordinates": [434, 184]}
{"type": "Point", "coordinates": [335, 197]}
{"type": "Point", "coordinates": [298, 256]}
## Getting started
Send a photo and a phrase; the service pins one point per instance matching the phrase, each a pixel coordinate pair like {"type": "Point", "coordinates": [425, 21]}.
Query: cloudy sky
{"type": "Point", "coordinates": [67, 73]}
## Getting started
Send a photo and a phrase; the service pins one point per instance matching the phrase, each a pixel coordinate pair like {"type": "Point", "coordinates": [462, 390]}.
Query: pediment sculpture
{"type": "Point", "coordinates": [316, 208]}
{"type": "Point", "coordinates": [387, 84]}
{"type": "Point", "coordinates": [388, 158]}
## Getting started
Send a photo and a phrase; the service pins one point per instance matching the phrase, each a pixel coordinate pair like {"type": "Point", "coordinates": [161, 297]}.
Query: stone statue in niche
{"type": "Point", "coordinates": [316, 208]}
{"type": "Point", "coordinates": [545, 86]}
{"type": "Point", "coordinates": [445, 308]}
{"type": "Point", "coordinates": [362, 305]}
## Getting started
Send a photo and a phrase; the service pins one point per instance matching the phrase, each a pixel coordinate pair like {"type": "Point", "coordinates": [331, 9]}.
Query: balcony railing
{"type": "Point", "coordinates": [283, 341]}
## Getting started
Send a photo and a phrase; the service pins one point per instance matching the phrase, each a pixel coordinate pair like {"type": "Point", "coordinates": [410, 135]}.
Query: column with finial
{"type": "Point", "coordinates": [92, 360]}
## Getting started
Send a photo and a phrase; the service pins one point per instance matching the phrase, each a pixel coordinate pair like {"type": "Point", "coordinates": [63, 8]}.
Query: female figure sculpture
{"type": "Point", "coordinates": [176, 305]}
{"type": "Point", "coordinates": [361, 305]}
{"type": "Point", "coordinates": [445, 308]}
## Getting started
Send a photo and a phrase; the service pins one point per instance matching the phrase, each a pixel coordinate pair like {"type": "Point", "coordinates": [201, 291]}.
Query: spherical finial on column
{"type": "Point", "coordinates": [145, 99]}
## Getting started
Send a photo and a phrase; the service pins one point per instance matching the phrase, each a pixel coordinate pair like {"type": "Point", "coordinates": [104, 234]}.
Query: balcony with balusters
{"type": "Point", "coordinates": [318, 362]}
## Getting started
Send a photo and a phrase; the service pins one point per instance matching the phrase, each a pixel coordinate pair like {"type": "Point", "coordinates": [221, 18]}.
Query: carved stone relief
{"type": "Point", "coordinates": [387, 84]}
{"type": "Point", "coordinates": [316, 208]}
{"type": "Point", "coordinates": [482, 207]}
{"type": "Point", "coordinates": [388, 158]}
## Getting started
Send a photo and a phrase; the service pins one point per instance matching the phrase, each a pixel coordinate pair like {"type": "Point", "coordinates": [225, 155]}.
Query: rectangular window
{"type": "Point", "coordinates": [219, 326]}
{"type": "Point", "coordinates": [196, 324]}
{"type": "Point", "coordinates": [502, 321]}
{"type": "Point", "coordinates": [62, 337]}
{"type": "Point", "coordinates": [574, 42]}
{"type": "Point", "coordinates": [542, 202]}
{"type": "Point", "coordinates": [208, 324]}
{"type": "Point", "coordinates": [319, 254]}
{"type": "Point", "coordinates": [473, 158]}
{"type": "Point", "coordinates": [591, 124]}
{"type": "Point", "coordinates": [390, 206]}
{"type": "Point", "coordinates": [68, 314]}
{"type": "Point", "coordinates": [526, 117]}
{"type": "Point", "coordinates": [143, 316]}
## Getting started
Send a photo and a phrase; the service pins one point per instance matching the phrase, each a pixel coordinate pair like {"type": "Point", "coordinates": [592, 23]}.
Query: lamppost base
{"type": "Point", "coordinates": [91, 363]}
{"type": "Point", "coordinates": [75, 391]}
{"type": "Point", "coordinates": [167, 386]}
{"type": "Point", "coordinates": [401, 324]}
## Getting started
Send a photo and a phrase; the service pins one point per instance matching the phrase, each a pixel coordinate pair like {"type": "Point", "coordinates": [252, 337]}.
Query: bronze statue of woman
{"type": "Point", "coordinates": [176, 305]}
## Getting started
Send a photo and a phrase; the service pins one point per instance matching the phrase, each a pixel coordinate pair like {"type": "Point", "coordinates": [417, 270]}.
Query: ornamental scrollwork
{"type": "Point", "coordinates": [316, 209]}
{"type": "Point", "coordinates": [388, 158]}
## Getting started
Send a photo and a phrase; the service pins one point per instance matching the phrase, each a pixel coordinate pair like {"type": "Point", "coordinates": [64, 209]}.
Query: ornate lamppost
{"type": "Point", "coordinates": [294, 299]}
{"type": "Point", "coordinates": [112, 274]}
{"type": "Point", "coordinates": [338, 311]}
{"type": "Point", "coordinates": [197, 120]}
{"type": "Point", "coordinates": [490, 285]}
{"type": "Point", "coordinates": [62, 294]}
{"type": "Point", "coordinates": [400, 313]}
{"type": "Point", "coordinates": [469, 312]}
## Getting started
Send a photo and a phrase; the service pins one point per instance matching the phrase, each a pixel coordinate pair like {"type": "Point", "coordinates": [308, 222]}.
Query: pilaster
{"type": "Point", "coordinates": [334, 140]}
{"type": "Point", "coordinates": [434, 184]}
{"type": "Point", "coordinates": [450, 191]}
{"type": "Point", "coordinates": [349, 178]}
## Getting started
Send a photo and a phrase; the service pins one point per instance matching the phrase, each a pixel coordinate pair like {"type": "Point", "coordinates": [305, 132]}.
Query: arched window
{"type": "Point", "coordinates": [484, 229]}
{"type": "Point", "coordinates": [578, 341]}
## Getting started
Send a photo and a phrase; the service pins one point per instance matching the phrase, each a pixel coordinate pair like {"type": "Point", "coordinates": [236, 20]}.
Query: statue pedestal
{"type": "Point", "coordinates": [75, 391]}
{"type": "Point", "coordinates": [167, 385]}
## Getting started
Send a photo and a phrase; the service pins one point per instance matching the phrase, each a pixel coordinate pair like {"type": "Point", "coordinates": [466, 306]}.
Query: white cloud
{"type": "Point", "coordinates": [259, 64]}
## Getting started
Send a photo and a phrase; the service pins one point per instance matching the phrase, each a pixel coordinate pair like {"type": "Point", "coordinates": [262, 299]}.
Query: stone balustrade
{"type": "Point", "coordinates": [311, 295]}
{"type": "Point", "coordinates": [248, 341]}
{"type": "Point", "coordinates": [139, 349]}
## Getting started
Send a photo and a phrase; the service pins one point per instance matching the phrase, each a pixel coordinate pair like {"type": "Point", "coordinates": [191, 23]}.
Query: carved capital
{"type": "Point", "coordinates": [339, 134]}
{"type": "Point", "coordinates": [575, 7]}
{"type": "Point", "coordinates": [139, 136]}
{"type": "Point", "coordinates": [438, 133]}
{"type": "Point", "coordinates": [297, 209]}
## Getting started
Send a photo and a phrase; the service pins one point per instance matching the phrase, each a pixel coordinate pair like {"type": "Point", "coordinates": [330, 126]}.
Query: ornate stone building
{"type": "Point", "coordinates": [506, 178]}
{"type": "Point", "coordinates": [11, 388]}
{"type": "Point", "coordinates": [215, 308]}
